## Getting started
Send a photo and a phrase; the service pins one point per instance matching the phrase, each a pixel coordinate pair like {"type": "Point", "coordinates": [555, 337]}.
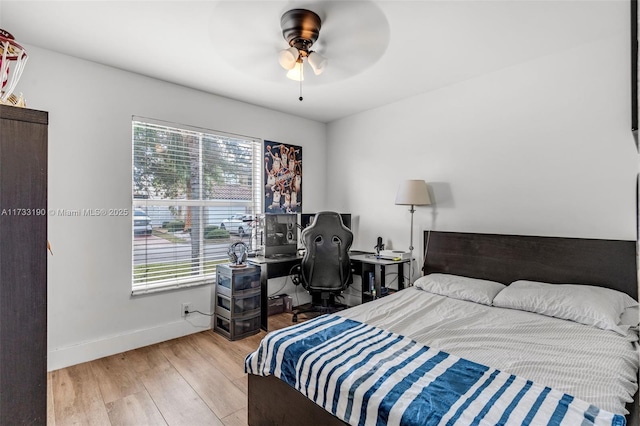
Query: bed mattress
{"type": "Point", "coordinates": [597, 366]}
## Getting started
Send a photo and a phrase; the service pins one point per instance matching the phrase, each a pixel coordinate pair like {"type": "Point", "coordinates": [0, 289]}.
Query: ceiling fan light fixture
{"type": "Point", "coordinates": [288, 57]}
{"type": "Point", "coordinates": [318, 62]}
{"type": "Point", "coordinates": [300, 28]}
{"type": "Point", "coordinates": [296, 72]}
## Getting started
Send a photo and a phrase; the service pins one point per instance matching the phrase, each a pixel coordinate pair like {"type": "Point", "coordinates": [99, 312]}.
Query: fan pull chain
{"type": "Point", "coordinates": [301, 78]}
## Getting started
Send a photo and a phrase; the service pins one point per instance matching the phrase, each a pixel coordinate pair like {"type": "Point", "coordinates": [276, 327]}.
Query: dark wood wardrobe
{"type": "Point", "coordinates": [23, 266]}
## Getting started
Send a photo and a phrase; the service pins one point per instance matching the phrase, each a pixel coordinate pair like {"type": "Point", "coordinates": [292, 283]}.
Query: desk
{"type": "Point", "coordinates": [271, 267]}
{"type": "Point", "coordinates": [274, 267]}
{"type": "Point", "coordinates": [367, 262]}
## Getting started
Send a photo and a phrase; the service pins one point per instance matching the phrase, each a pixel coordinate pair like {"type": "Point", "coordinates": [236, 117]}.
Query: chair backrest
{"type": "Point", "coordinates": [326, 265]}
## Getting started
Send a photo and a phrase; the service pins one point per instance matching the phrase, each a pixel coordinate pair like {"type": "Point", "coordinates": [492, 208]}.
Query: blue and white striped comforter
{"type": "Point", "coordinates": [365, 376]}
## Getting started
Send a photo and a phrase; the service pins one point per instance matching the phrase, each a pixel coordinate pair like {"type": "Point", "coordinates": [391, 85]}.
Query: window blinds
{"type": "Point", "coordinates": [194, 193]}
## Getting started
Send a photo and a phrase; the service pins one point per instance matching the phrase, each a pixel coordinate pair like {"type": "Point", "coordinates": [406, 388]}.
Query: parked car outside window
{"type": "Point", "coordinates": [237, 224]}
{"type": "Point", "coordinates": [141, 222]}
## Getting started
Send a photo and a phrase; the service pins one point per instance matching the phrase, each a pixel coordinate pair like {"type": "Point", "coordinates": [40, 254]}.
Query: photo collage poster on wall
{"type": "Point", "coordinates": [283, 178]}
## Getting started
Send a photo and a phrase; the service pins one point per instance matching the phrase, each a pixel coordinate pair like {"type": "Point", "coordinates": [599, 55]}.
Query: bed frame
{"type": "Point", "coordinates": [502, 258]}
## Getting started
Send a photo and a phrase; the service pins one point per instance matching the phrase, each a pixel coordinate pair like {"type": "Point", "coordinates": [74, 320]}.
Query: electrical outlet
{"type": "Point", "coordinates": [184, 308]}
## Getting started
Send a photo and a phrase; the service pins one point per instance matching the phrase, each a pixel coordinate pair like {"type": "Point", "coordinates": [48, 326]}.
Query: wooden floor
{"type": "Point", "coordinates": [193, 380]}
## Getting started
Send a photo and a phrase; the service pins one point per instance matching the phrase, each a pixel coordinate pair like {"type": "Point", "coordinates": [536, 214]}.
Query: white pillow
{"type": "Point", "coordinates": [591, 305]}
{"type": "Point", "coordinates": [630, 317]}
{"type": "Point", "coordinates": [457, 287]}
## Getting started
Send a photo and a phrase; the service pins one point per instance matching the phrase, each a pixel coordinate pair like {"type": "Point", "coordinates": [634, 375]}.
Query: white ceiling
{"type": "Point", "coordinates": [379, 51]}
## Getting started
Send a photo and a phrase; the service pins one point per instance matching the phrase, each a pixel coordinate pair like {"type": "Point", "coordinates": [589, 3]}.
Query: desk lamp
{"type": "Point", "coordinates": [412, 193]}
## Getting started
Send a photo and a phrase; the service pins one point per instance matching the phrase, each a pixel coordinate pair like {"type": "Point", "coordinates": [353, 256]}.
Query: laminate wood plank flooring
{"type": "Point", "coordinates": [77, 399]}
{"type": "Point", "coordinates": [194, 380]}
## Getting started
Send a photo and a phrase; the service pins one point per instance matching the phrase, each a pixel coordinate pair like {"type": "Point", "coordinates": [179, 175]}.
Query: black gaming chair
{"type": "Point", "coordinates": [325, 270]}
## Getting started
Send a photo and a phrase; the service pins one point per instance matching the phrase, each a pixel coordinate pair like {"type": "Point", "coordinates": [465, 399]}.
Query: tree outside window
{"type": "Point", "coordinates": [188, 186]}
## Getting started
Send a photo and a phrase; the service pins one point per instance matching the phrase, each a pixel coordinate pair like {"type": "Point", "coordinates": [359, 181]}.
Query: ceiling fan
{"type": "Point", "coordinates": [301, 28]}
{"type": "Point", "coordinates": [354, 34]}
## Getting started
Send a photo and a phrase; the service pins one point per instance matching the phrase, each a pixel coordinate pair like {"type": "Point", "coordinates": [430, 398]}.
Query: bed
{"type": "Point", "coordinates": [433, 319]}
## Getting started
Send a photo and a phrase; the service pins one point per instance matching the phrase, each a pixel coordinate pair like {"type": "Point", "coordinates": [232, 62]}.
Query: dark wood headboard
{"type": "Point", "coordinates": [506, 258]}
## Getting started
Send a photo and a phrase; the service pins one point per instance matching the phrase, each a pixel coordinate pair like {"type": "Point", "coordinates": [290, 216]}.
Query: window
{"type": "Point", "coordinates": [194, 193]}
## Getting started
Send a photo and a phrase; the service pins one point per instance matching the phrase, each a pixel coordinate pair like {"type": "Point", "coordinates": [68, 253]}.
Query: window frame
{"type": "Point", "coordinates": [255, 203]}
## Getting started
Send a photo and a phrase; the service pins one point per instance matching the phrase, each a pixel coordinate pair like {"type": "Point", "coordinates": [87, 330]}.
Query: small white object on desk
{"type": "Point", "coordinates": [394, 255]}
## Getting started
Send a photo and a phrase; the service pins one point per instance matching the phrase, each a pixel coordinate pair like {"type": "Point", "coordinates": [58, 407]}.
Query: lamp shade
{"type": "Point", "coordinates": [288, 58]}
{"type": "Point", "coordinates": [296, 72]}
{"type": "Point", "coordinates": [413, 192]}
{"type": "Point", "coordinates": [317, 62]}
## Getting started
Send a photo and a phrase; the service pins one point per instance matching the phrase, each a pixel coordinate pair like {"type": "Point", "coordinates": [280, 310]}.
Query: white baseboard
{"type": "Point", "coordinates": [87, 351]}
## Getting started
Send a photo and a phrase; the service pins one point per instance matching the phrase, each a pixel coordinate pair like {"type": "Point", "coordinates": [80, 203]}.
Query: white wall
{"type": "Point", "coordinates": [541, 148]}
{"type": "Point", "coordinates": [91, 311]}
